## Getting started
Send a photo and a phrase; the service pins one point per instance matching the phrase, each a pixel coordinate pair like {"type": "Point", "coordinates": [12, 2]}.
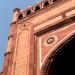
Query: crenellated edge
{"type": "Point", "coordinates": [19, 14]}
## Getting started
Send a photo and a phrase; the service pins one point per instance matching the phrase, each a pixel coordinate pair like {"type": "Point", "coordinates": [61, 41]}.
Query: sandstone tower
{"type": "Point", "coordinates": [38, 37]}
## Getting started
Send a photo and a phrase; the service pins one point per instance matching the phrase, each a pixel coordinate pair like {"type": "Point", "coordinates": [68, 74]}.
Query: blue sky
{"type": "Point", "coordinates": [6, 12]}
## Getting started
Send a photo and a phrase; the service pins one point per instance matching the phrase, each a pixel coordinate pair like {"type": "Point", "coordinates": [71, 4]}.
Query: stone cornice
{"type": "Point", "coordinates": [41, 11]}
{"type": "Point", "coordinates": [32, 11]}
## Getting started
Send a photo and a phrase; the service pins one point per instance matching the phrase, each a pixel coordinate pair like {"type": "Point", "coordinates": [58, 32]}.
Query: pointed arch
{"type": "Point", "coordinates": [51, 57]}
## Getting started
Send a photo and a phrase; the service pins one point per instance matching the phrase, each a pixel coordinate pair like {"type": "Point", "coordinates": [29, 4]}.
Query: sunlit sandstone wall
{"type": "Point", "coordinates": [24, 62]}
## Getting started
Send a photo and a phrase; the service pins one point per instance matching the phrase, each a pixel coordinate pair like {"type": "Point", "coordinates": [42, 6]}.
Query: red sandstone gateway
{"type": "Point", "coordinates": [42, 40]}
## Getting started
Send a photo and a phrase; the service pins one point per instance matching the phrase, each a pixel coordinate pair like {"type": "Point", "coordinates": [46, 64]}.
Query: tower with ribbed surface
{"type": "Point", "coordinates": [39, 39]}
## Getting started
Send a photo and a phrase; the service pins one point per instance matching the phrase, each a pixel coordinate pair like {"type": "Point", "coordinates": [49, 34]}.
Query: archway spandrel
{"type": "Point", "coordinates": [49, 41]}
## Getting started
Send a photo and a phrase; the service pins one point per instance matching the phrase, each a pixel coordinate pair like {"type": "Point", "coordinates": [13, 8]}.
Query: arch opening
{"type": "Point", "coordinates": [20, 16]}
{"type": "Point", "coordinates": [28, 12]}
{"type": "Point", "coordinates": [63, 62]}
{"type": "Point", "coordinates": [46, 3]}
{"type": "Point", "coordinates": [37, 8]}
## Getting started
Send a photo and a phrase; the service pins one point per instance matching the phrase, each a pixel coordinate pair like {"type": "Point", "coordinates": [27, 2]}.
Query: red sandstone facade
{"type": "Point", "coordinates": [36, 34]}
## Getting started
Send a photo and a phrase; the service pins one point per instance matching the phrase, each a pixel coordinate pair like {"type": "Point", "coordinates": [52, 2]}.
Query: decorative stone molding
{"type": "Point", "coordinates": [44, 70]}
{"type": "Point", "coordinates": [50, 40]}
{"type": "Point", "coordinates": [24, 26]}
{"type": "Point", "coordinates": [35, 8]}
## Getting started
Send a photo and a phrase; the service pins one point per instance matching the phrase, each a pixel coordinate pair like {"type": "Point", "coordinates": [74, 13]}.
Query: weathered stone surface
{"type": "Point", "coordinates": [33, 38]}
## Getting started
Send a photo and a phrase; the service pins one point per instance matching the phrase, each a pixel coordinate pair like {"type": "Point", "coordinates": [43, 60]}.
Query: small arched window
{"type": "Point", "coordinates": [20, 16]}
{"type": "Point", "coordinates": [37, 8]}
{"type": "Point", "coordinates": [46, 3]}
{"type": "Point", "coordinates": [28, 12]}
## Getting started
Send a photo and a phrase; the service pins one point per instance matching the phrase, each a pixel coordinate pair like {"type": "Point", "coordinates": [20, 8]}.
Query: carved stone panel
{"type": "Point", "coordinates": [48, 42]}
{"type": "Point", "coordinates": [22, 54]}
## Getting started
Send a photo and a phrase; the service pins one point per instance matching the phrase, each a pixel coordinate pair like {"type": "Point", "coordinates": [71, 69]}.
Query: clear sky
{"type": "Point", "coordinates": [6, 12]}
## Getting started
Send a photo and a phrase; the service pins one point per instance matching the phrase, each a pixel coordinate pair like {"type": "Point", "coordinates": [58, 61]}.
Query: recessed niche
{"type": "Point", "coordinates": [37, 8]}
{"type": "Point", "coordinates": [20, 16]}
{"type": "Point", "coordinates": [46, 3]}
{"type": "Point", "coordinates": [28, 12]}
